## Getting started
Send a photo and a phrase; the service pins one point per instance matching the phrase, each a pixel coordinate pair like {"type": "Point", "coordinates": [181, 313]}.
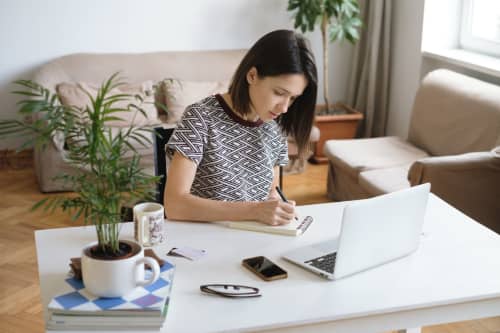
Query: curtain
{"type": "Point", "coordinates": [369, 83]}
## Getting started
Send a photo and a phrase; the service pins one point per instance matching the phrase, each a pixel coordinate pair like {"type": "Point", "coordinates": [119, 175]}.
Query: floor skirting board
{"type": "Point", "coordinates": [9, 159]}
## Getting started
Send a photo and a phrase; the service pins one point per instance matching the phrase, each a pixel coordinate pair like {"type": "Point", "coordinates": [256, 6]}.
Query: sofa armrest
{"type": "Point", "coordinates": [424, 169]}
{"type": "Point", "coordinates": [470, 182]}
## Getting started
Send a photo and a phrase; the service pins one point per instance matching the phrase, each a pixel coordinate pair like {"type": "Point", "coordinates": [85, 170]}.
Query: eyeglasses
{"type": "Point", "coordinates": [230, 290]}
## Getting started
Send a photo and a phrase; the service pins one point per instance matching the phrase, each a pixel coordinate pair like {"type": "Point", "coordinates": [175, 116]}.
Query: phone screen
{"type": "Point", "coordinates": [265, 268]}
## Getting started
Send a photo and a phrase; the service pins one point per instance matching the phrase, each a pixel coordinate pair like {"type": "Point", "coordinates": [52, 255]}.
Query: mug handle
{"type": "Point", "coordinates": [142, 224]}
{"type": "Point", "coordinates": [154, 266]}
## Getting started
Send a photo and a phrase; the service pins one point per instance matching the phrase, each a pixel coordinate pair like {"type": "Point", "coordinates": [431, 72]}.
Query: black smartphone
{"type": "Point", "coordinates": [264, 268]}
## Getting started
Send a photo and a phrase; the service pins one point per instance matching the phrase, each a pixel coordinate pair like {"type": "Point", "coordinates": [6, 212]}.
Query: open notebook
{"type": "Point", "coordinates": [295, 228]}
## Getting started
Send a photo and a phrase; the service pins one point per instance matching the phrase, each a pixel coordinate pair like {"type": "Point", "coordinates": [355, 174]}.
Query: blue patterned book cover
{"type": "Point", "coordinates": [151, 300]}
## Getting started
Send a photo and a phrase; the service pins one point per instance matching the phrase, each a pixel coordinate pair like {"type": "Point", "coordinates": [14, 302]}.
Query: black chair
{"type": "Point", "coordinates": [161, 137]}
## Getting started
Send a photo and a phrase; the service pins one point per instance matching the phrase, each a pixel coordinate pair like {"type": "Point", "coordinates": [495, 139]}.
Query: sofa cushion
{"type": "Point", "coordinates": [144, 148]}
{"type": "Point", "coordinates": [358, 155]}
{"type": "Point", "coordinates": [176, 95]}
{"type": "Point", "coordinates": [75, 94]}
{"type": "Point", "coordinates": [381, 181]}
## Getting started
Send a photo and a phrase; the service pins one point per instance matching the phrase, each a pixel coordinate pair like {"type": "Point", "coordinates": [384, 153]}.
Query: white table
{"type": "Point", "coordinates": [453, 276]}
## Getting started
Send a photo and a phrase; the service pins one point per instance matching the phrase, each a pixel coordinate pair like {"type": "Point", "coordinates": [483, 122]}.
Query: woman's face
{"type": "Point", "coordinates": [271, 96]}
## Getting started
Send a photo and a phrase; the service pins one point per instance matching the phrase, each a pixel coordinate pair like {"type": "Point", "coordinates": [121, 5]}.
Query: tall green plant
{"type": "Point", "coordinates": [338, 19]}
{"type": "Point", "coordinates": [105, 179]}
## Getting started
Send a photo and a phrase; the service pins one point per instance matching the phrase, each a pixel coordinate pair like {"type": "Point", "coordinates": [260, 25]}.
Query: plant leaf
{"type": "Point", "coordinates": [38, 204]}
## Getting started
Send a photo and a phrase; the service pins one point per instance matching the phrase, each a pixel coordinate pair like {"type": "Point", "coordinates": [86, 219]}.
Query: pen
{"type": "Point", "coordinates": [283, 197]}
{"type": "Point", "coordinates": [281, 194]}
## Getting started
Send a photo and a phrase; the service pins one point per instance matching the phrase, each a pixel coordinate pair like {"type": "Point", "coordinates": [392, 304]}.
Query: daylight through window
{"type": "Point", "coordinates": [481, 26]}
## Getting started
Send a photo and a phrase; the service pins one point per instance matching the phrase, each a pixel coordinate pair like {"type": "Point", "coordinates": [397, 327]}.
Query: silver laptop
{"type": "Point", "coordinates": [374, 231]}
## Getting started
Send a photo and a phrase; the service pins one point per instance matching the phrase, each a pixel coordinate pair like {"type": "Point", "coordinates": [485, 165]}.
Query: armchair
{"type": "Point", "coordinates": [454, 129]}
{"type": "Point", "coordinates": [470, 182]}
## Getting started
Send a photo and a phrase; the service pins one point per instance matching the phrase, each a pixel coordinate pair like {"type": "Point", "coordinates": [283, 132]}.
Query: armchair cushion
{"type": "Point", "coordinates": [358, 155]}
{"type": "Point", "coordinates": [381, 181]}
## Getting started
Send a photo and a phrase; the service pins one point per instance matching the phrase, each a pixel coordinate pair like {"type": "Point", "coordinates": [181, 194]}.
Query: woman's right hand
{"type": "Point", "coordinates": [276, 212]}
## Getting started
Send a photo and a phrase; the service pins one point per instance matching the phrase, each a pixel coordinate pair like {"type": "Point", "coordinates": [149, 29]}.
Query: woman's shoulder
{"type": "Point", "coordinates": [205, 107]}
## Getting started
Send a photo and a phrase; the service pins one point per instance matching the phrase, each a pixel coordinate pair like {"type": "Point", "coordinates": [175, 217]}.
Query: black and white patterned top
{"type": "Point", "coordinates": [235, 158]}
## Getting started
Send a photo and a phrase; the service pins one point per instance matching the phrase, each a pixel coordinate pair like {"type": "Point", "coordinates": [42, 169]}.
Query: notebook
{"type": "Point", "coordinates": [295, 228]}
{"type": "Point", "coordinates": [373, 232]}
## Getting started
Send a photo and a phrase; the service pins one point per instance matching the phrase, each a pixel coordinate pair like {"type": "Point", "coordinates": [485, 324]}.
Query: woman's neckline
{"type": "Point", "coordinates": [235, 116]}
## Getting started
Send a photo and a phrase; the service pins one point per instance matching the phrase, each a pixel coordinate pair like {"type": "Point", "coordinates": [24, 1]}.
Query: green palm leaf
{"type": "Point", "coordinates": [104, 180]}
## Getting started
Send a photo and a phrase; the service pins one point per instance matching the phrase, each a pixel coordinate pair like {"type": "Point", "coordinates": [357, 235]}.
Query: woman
{"type": "Point", "coordinates": [227, 149]}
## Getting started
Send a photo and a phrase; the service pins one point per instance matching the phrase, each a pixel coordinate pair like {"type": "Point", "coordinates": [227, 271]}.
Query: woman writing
{"type": "Point", "coordinates": [227, 149]}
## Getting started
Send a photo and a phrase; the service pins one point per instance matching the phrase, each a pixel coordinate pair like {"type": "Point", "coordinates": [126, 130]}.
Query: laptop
{"type": "Point", "coordinates": [373, 232]}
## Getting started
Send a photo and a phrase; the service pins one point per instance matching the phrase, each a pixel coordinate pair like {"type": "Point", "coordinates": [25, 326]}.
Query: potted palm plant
{"type": "Point", "coordinates": [109, 173]}
{"type": "Point", "coordinates": [338, 19]}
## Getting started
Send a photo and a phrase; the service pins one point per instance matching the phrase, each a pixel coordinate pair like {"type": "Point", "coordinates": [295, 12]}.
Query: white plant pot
{"type": "Point", "coordinates": [117, 277]}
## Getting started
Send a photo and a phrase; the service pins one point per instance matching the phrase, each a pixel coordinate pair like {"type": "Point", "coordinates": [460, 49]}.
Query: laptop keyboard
{"type": "Point", "coordinates": [325, 263]}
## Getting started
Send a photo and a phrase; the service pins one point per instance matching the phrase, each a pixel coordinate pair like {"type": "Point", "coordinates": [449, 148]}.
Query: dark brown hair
{"type": "Point", "coordinates": [276, 53]}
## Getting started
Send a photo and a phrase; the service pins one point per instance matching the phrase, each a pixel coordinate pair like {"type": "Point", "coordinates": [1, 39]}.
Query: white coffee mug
{"type": "Point", "coordinates": [149, 223]}
{"type": "Point", "coordinates": [117, 277]}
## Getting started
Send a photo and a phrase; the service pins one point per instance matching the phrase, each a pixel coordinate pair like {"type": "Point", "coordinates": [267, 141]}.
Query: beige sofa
{"type": "Point", "coordinates": [197, 74]}
{"type": "Point", "coordinates": [452, 143]}
{"type": "Point", "coordinates": [198, 66]}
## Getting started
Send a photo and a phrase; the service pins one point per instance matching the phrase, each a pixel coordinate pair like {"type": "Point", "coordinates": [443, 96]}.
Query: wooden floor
{"type": "Point", "coordinates": [20, 308]}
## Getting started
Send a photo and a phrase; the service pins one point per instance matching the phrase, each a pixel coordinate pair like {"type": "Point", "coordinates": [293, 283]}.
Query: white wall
{"type": "Point", "coordinates": [33, 32]}
{"type": "Point", "coordinates": [406, 62]}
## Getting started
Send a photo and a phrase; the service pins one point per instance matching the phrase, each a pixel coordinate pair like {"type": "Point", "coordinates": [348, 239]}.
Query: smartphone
{"type": "Point", "coordinates": [264, 268]}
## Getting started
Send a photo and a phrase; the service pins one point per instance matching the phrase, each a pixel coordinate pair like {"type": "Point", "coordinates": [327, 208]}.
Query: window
{"type": "Point", "coordinates": [480, 30]}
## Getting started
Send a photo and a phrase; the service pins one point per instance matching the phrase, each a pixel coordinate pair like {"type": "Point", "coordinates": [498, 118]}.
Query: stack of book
{"type": "Point", "coordinates": [145, 308]}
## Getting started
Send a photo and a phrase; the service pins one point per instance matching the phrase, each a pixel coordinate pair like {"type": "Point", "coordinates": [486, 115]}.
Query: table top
{"type": "Point", "coordinates": [456, 262]}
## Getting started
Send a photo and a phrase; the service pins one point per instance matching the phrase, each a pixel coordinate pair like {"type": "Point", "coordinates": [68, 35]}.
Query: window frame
{"type": "Point", "coordinates": [470, 42]}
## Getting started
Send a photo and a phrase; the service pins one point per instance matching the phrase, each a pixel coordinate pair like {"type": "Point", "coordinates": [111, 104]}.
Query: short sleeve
{"type": "Point", "coordinates": [190, 136]}
{"type": "Point", "coordinates": [283, 152]}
